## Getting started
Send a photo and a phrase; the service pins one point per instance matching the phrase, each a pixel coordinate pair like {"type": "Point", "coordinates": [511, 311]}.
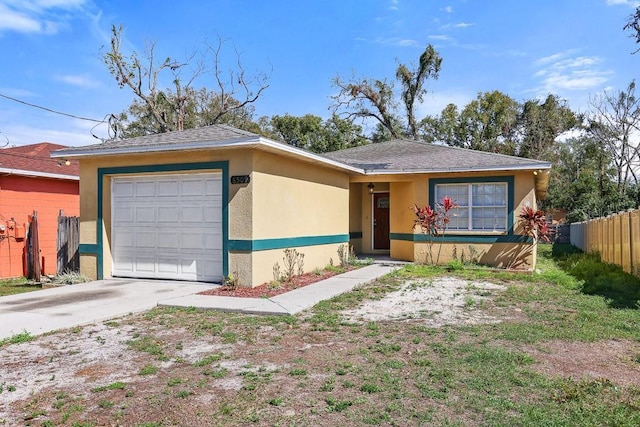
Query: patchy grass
{"type": "Point", "coordinates": [318, 368]}
{"type": "Point", "coordinates": [17, 286]}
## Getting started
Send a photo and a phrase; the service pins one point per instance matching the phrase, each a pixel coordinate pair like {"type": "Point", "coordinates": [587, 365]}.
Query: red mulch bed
{"type": "Point", "coordinates": [268, 290]}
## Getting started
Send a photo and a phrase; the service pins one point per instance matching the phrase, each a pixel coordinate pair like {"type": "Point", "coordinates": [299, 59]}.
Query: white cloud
{"type": "Point", "coordinates": [447, 9]}
{"type": "Point", "coordinates": [629, 3]}
{"type": "Point", "coordinates": [73, 134]}
{"type": "Point", "coordinates": [439, 37]}
{"type": "Point", "coordinates": [396, 41]}
{"type": "Point", "coordinates": [394, 5]}
{"type": "Point", "coordinates": [14, 21]}
{"type": "Point", "coordinates": [39, 16]}
{"type": "Point", "coordinates": [78, 80]}
{"type": "Point", "coordinates": [462, 25]}
{"type": "Point", "coordinates": [549, 59]}
{"type": "Point", "coordinates": [558, 73]}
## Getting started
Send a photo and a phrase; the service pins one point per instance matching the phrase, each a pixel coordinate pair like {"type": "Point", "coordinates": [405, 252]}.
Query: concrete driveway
{"type": "Point", "coordinates": [48, 310]}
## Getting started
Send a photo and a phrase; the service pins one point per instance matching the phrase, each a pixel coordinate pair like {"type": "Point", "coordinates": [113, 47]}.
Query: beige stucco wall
{"type": "Point", "coordinates": [401, 217]}
{"type": "Point", "coordinates": [407, 190]}
{"type": "Point", "coordinates": [286, 198]}
{"type": "Point", "coordinates": [293, 199]}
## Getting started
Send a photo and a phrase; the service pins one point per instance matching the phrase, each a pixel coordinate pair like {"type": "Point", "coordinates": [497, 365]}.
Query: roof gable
{"type": "Point", "coordinates": [176, 140]}
{"type": "Point", "coordinates": [404, 156]}
{"type": "Point", "coordinates": [35, 160]}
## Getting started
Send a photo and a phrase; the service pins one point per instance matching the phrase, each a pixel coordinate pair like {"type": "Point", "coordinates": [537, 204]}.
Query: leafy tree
{"type": "Point", "coordinates": [582, 180]}
{"type": "Point", "coordinates": [363, 98]}
{"type": "Point", "coordinates": [314, 134]}
{"type": "Point", "coordinates": [540, 124]}
{"type": "Point", "coordinates": [487, 123]}
{"type": "Point", "coordinates": [157, 110]}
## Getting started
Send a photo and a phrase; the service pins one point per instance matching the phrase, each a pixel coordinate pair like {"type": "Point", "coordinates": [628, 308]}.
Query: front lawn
{"type": "Point", "coordinates": [543, 349]}
{"type": "Point", "coordinates": [16, 286]}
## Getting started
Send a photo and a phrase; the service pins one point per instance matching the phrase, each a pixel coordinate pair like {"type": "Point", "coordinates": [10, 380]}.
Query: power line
{"type": "Point", "coordinates": [50, 110]}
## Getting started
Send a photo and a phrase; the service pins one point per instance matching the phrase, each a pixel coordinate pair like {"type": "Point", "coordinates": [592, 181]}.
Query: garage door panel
{"type": "Point", "coordinates": [123, 189]}
{"type": "Point", "coordinates": [213, 241]}
{"type": "Point", "coordinates": [193, 214]}
{"type": "Point", "coordinates": [192, 187]}
{"type": "Point", "coordinates": [144, 264]}
{"type": "Point", "coordinates": [168, 188]}
{"type": "Point", "coordinates": [145, 214]}
{"type": "Point", "coordinates": [123, 238]}
{"type": "Point", "coordinates": [168, 265]}
{"type": "Point", "coordinates": [146, 239]}
{"type": "Point", "coordinates": [146, 188]}
{"type": "Point", "coordinates": [167, 240]}
{"type": "Point", "coordinates": [168, 227]}
{"type": "Point", "coordinates": [168, 214]}
{"type": "Point", "coordinates": [191, 240]}
{"type": "Point", "coordinates": [123, 214]}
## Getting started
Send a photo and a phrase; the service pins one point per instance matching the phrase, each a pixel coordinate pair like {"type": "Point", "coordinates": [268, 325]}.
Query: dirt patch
{"type": "Point", "coordinates": [614, 360]}
{"type": "Point", "coordinates": [437, 302]}
{"type": "Point", "coordinates": [383, 365]}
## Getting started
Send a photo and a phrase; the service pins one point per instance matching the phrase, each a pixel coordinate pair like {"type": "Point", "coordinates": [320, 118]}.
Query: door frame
{"type": "Point", "coordinates": [373, 211]}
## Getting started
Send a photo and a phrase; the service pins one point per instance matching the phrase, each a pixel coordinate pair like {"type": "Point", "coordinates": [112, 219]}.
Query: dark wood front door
{"type": "Point", "coordinates": [381, 221]}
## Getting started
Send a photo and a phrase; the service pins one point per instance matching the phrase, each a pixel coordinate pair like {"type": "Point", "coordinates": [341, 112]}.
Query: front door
{"type": "Point", "coordinates": [381, 221]}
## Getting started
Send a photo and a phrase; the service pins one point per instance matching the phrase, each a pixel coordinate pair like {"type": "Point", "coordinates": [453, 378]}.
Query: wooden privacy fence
{"type": "Point", "coordinates": [615, 237]}
{"type": "Point", "coordinates": [68, 258]}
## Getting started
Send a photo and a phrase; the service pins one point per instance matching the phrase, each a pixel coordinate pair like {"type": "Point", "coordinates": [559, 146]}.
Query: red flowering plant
{"type": "Point", "coordinates": [434, 222]}
{"type": "Point", "coordinates": [534, 224]}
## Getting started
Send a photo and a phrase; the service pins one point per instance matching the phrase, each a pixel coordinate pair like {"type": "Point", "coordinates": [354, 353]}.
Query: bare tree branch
{"type": "Point", "coordinates": [168, 110]}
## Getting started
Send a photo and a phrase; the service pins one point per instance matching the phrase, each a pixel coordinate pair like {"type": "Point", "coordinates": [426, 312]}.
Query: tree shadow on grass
{"type": "Point", "coordinates": [621, 289]}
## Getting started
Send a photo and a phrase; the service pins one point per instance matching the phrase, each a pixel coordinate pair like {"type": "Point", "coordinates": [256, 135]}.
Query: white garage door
{"type": "Point", "coordinates": [167, 227]}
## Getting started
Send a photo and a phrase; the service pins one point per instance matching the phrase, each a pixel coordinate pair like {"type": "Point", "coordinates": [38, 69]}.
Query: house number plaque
{"type": "Point", "coordinates": [240, 179]}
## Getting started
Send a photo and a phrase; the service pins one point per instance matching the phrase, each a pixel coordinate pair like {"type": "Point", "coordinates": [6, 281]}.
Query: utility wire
{"type": "Point", "coordinates": [50, 110]}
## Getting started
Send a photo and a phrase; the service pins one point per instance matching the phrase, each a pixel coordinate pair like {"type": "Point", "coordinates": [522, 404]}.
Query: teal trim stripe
{"type": "Point", "coordinates": [355, 234]}
{"type": "Point", "coordinates": [462, 238]}
{"type": "Point", "coordinates": [474, 180]}
{"type": "Point", "coordinates": [88, 249]}
{"type": "Point", "coordinates": [286, 242]}
{"type": "Point", "coordinates": [222, 166]}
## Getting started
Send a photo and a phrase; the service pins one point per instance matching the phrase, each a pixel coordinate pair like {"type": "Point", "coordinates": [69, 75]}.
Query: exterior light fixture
{"type": "Point", "coordinates": [371, 187]}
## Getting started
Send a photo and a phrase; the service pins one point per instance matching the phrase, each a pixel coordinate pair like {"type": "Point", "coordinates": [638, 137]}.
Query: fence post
{"type": "Point", "coordinates": [635, 241]}
{"type": "Point", "coordinates": [625, 242]}
{"type": "Point", "coordinates": [68, 258]}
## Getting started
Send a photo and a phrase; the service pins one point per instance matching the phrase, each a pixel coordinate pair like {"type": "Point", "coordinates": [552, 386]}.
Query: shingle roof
{"type": "Point", "coordinates": [397, 156]}
{"type": "Point", "coordinates": [35, 159]}
{"type": "Point", "coordinates": [403, 156]}
{"type": "Point", "coordinates": [169, 140]}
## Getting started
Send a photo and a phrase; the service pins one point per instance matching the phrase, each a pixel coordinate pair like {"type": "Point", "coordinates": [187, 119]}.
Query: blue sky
{"type": "Point", "coordinates": [51, 51]}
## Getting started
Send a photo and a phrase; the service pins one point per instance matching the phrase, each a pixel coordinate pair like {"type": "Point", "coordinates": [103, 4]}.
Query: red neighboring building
{"type": "Point", "coordinates": [30, 180]}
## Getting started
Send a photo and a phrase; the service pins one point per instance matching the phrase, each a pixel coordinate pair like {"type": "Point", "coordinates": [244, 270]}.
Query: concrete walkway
{"type": "Point", "coordinates": [48, 310]}
{"type": "Point", "coordinates": [64, 307]}
{"type": "Point", "coordinates": [291, 302]}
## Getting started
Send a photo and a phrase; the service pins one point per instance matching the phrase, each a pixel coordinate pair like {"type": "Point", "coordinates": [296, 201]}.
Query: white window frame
{"type": "Point", "coordinates": [471, 206]}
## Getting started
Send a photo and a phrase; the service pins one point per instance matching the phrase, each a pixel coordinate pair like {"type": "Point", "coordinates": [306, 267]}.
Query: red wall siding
{"type": "Point", "coordinates": [19, 197]}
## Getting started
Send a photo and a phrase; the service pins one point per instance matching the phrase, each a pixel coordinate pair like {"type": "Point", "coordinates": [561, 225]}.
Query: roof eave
{"type": "Point", "coordinates": [35, 174]}
{"type": "Point", "coordinates": [532, 167]}
{"type": "Point", "coordinates": [79, 152]}
{"type": "Point", "coordinates": [253, 142]}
